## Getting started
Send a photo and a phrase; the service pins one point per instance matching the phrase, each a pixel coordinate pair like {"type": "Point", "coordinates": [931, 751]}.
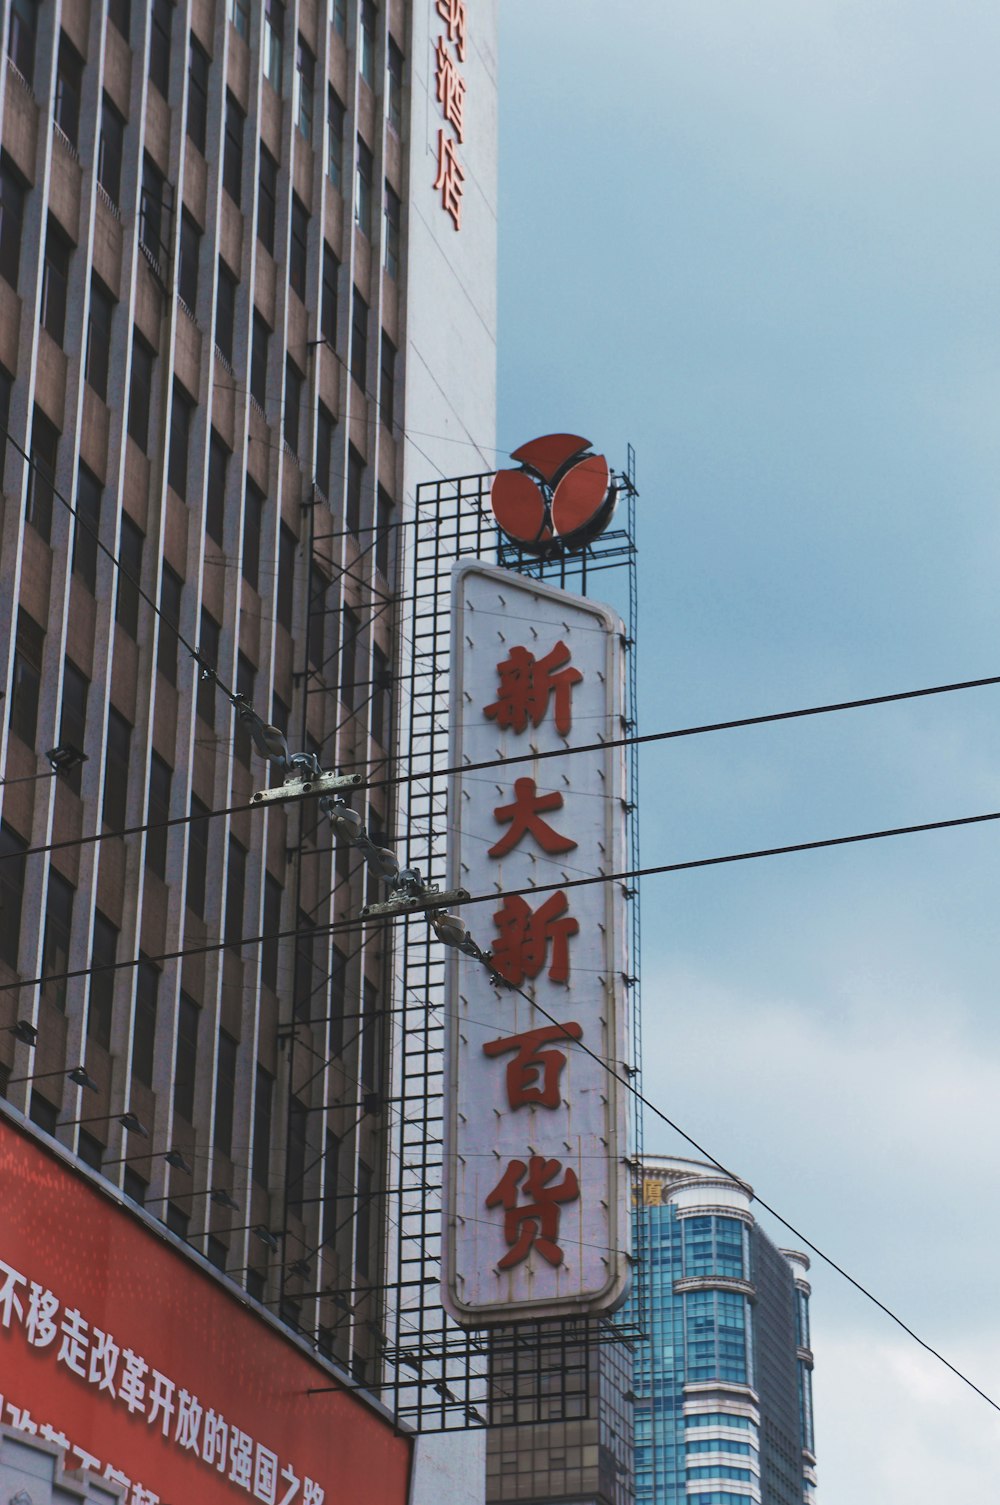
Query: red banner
{"type": "Point", "coordinates": [148, 1371]}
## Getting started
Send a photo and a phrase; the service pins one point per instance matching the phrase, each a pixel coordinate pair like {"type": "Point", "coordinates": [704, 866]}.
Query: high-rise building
{"type": "Point", "coordinates": [723, 1377]}
{"type": "Point", "coordinates": [247, 303]}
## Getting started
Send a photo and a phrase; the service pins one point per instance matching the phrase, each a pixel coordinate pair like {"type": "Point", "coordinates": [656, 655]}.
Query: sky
{"type": "Point", "coordinates": [760, 242]}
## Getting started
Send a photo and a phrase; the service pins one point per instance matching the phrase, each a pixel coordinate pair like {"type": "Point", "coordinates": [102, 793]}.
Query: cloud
{"type": "Point", "coordinates": [894, 1427]}
{"type": "Point", "coordinates": [869, 1122]}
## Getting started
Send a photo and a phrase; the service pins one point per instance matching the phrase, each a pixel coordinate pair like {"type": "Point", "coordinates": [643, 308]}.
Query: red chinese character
{"type": "Point", "coordinates": [536, 1224]}
{"type": "Point", "coordinates": [527, 682]}
{"type": "Point", "coordinates": [523, 816]}
{"type": "Point", "coordinates": [523, 1086]}
{"type": "Point", "coordinates": [450, 89]}
{"type": "Point", "coordinates": [450, 178]}
{"type": "Point", "coordinates": [525, 933]}
{"type": "Point", "coordinates": [452, 12]}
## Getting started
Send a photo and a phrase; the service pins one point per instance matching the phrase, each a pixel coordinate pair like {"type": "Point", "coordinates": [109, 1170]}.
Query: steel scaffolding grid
{"type": "Point", "coordinates": [438, 1376]}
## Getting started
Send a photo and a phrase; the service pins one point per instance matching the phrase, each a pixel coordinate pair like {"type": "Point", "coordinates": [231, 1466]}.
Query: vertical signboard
{"type": "Point", "coordinates": [536, 1216]}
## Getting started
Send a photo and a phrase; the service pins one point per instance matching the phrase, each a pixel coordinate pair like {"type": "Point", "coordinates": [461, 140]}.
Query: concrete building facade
{"type": "Point", "coordinates": [247, 304]}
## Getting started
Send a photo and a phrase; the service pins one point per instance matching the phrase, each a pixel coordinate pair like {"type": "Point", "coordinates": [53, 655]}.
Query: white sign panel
{"type": "Point", "coordinates": [536, 1198]}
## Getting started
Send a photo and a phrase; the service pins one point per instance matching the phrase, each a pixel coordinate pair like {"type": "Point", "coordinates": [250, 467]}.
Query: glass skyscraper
{"type": "Point", "coordinates": [723, 1376]}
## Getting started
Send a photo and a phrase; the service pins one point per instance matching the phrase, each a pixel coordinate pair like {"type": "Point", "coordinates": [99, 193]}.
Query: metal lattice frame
{"type": "Point", "coordinates": [440, 1377]}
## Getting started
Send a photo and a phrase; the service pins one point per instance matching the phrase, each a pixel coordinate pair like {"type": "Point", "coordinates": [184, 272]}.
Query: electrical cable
{"type": "Point", "coordinates": [640, 1097]}
{"type": "Point", "coordinates": [637, 740]}
{"type": "Point", "coordinates": [339, 926]}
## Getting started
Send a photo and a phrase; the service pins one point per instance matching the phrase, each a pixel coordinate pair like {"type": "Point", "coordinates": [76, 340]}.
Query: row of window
{"type": "Point", "coordinates": [104, 955]}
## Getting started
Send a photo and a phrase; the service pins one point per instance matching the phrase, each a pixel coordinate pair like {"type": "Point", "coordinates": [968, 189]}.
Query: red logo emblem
{"type": "Point", "coordinates": [562, 497]}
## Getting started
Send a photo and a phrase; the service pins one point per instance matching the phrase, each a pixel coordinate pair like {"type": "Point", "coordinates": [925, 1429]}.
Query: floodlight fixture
{"type": "Point", "coordinates": [78, 1075]}
{"type": "Point", "coordinates": [26, 1033]}
{"type": "Point", "coordinates": [176, 1161]}
{"type": "Point", "coordinates": [65, 757]}
{"type": "Point", "coordinates": [221, 1198]}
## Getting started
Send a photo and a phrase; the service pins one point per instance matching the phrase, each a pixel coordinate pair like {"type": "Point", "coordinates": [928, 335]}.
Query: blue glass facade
{"type": "Point", "coordinates": [722, 1380]}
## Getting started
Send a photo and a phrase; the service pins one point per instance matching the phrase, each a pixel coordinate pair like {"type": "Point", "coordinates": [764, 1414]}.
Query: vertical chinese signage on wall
{"type": "Point", "coordinates": [535, 1203]}
{"type": "Point", "coordinates": [449, 56]}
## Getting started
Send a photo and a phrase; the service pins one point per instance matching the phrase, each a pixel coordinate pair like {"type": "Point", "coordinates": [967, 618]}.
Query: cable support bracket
{"type": "Point", "coordinates": [298, 787]}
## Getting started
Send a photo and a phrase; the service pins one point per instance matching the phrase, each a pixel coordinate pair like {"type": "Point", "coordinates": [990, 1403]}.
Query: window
{"type": "Point", "coordinates": [236, 885]}
{"type": "Point", "coordinates": [151, 200]}
{"type": "Point", "coordinates": [90, 1150]}
{"type": "Point", "coordinates": [355, 479]}
{"type": "Point", "coordinates": [215, 488]}
{"type": "Point", "coordinates": [11, 221]}
{"type": "Point", "coordinates": [318, 587]}
{"type": "Point", "coordinates": [129, 577]}
{"type": "Point", "coordinates": [197, 858]}
{"type": "Point", "coordinates": [225, 313]}
{"type": "Point", "coordinates": [6, 387]}
{"type": "Point", "coordinates": [140, 391]}
{"type": "Point", "coordinates": [335, 114]}
{"type": "Point", "coordinates": [197, 116]}
{"type": "Point", "coordinates": [44, 453]}
{"type": "Point", "coordinates": [384, 532]}
{"type": "Point", "coordinates": [363, 1225]}
{"type": "Point", "coordinates": [208, 647]}
{"type": "Point", "coordinates": [297, 1125]}
{"type": "Point", "coordinates": [267, 200]}
{"type": "Point", "coordinates": [178, 1222]}
{"type": "Point", "coordinates": [252, 513]}
{"type": "Point", "coordinates": [381, 696]}
{"type": "Point", "coordinates": [110, 151]}
{"type": "Point", "coordinates": [160, 20]}
{"type": "Point", "coordinates": [181, 412]}
{"type": "Point", "coordinates": [232, 154]}
{"type": "Point", "coordinates": [324, 449]}
{"type": "Point", "coordinates": [368, 42]}
{"type": "Point", "coordinates": [387, 381]}
{"type": "Point", "coordinates": [12, 850]}
{"type": "Point", "coordinates": [187, 262]}
{"type": "Point", "coordinates": [117, 752]}
{"type": "Point", "coordinates": [363, 193]}
{"type": "Point", "coordinates": [371, 1043]}
{"type": "Point", "coordinates": [393, 220]}
{"type": "Point", "coordinates": [274, 41]}
{"type": "Point", "coordinates": [186, 1058]}
{"type": "Point", "coordinates": [147, 987]}
{"type": "Point", "coordinates": [286, 576]}
{"type": "Point", "coordinates": [394, 106]}
{"type": "Point", "coordinates": [293, 405]}
{"type": "Point", "coordinates": [21, 35]}
{"type": "Point", "coordinates": [272, 925]}
{"type": "Point", "coordinates": [225, 1092]}
{"type": "Point", "coordinates": [69, 81]}
{"type": "Point", "coordinates": [298, 247]}
{"type": "Point", "coordinates": [340, 17]}
{"type": "Point", "coordinates": [359, 340]}
{"type": "Point", "coordinates": [246, 674]}
{"type": "Point", "coordinates": [158, 811]}
{"type": "Point", "coordinates": [332, 1218]}
{"type": "Point", "coordinates": [73, 718]}
{"type": "Point", "coordinates": [349, 651]}
{"type": "Point", "coordinates": [307, 974]}
{"type": "Point", "coordinates": [98, 359]}
{"type": "Point", "coordinates": [306, 65]}
{"type": "Point", "coordinates": [26, 685]}
{"type": "Point", "coordinates": [238, 12]}
{"type": "Point", "coordinates": [262, 1107]}
{"type": "Point", "coordinates": [328, 302]}
{"type": "Point", "coordinates": [103, 955]}
{"type": "Point", "coordinates": [258, 359]}
{"type": "Point", "coordinates": [120, 15]}
{"type": "Point", "coordinates": [171, 589]}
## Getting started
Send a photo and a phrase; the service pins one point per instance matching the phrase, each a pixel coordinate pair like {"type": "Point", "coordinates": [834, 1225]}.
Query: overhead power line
{"type": "Point", "coordinates": [625, 876]}
{"type": "Point", "coordinates": [637, 740]}
{"type": "Point", "coordinates": [640, 1097]}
